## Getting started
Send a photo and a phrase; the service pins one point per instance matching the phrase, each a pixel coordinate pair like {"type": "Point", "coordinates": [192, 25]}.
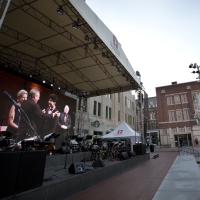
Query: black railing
{"type": "Point", "coordinates": [182, 149]}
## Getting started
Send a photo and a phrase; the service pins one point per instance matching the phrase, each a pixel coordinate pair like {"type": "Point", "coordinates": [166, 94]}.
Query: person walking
{"type": "Point", "coordinates": [196, 141]}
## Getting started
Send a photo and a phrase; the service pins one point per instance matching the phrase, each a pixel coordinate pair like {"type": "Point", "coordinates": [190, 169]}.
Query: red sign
{"type": "Point", "coordinates": [115, 41]}
{"type": "Point", "coordinates": [120, 132]}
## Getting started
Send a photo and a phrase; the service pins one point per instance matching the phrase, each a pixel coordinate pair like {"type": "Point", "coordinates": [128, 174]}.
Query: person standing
{"type": "Point", "coordinates": [14, 115]}
{"type": "Point", "coordinates": [64, 124]}
{"type": "Point", "coordinates": [196, 141]}
{"type": "Point", "coordinates": [50, 125]}
{"type": "Point", "coordinates": [34, 115]}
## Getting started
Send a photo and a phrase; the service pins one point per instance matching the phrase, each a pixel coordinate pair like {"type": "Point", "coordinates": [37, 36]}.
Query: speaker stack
{"type": "Point", "coordinates": [21, 171]}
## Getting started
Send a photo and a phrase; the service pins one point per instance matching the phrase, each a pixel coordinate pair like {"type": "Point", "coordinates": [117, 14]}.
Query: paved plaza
{"type": "Point", "coordinates": [141, 182]}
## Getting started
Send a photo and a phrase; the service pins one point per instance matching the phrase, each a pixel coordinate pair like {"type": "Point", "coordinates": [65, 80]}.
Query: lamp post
{"type": "Point", "coordinates": [195, 66]}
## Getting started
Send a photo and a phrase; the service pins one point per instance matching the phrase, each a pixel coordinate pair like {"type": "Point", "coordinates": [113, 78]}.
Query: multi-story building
{"type": "Point", "coordinates": [152, 135]}
{"type": "Point", "coordinates": [178, 104]}
{"type": "Point", "coordinates": [101, 114]}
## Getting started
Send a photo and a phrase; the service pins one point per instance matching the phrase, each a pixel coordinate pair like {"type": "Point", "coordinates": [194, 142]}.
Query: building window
{"type": "Point", "coordinates": [153, 125]}
{"type": "Point", "coordinates": [188, 128]}
{"type": "Point", "coordinates": [152, 115]}
{"type": "Point", "coordinates": [129, 119]}
{"type": "Point", "coordinates": [99, 109]}
{"type": "Point", "coordinates": [129, 103]}
{"type": "Point", "coordinates": [170, 100]}
{"type": "Point", "coordinates": [118, 115]}
{"type": "Point", "coordinates": [108, 112]}
{"type": "Point", "coordinates": [125, 117]}
{"type": "Point", "coordinates": [108, 96]}
{"type": "Point", "coordinates": [181, 130]}
{"type": "Point", "coordinates": [186, 114]}
{"type": "Point", "coordinates": [133, 121]}
{"type": "Point", "coordinates": [95, 108]}
{"type": "Point", "coordinates": [179, 115]}
{"type": "Point", "coordinates": [151, 104]}
{"type": "Point", "coordinates": [184, 98]}
{"type": "Point", "coordinates": [177, 99]}
{"type": "Point", "coordinates": [118, 97]}
{"type": "Point", "coordinates": [125, 101]}
{"type": "Point", "coordinates": [171, 115]}
{"type": "Point", "coordinates": [132, 105]}
{"type": "Point", "coordinates": [174, 130]}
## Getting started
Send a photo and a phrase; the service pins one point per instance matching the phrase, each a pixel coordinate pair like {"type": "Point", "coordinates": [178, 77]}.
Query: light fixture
{"type": "Point", "coordinates": [52, 83]}
{"type": "Point", "coordinates": [60, 10]}
{"type": "Point", "coordinates": [75, 25]}
{"type": "Point", "coordinates": [96, 47]}
{"type": "Point", "coordinates": [191, 65]}
{"type": "Point", "coordinates": [103, 55]}
{"type": "Point", "coordinates": [44, 81]}
{"type": "Point", "coordinates": [86, 38]}
{"type": "Point", "coordinates": [31, 76]}
{"type": "Point", "coordinates": [138, 73]}
{"type": "Point", "coordinates": [195, 66]}
{"type": "Point", "coordinates": [112, 65]}
{"type": "Point", "coordinates": [58, 88]}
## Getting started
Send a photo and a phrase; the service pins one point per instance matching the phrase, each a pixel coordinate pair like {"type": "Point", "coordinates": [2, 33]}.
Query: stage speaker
{"type": "Point", "coordinates": [139, 149]}
{"type": "Point", "coordinates": [98, 163]}
{"type": "Point", "coordinates": [31, 170]}
{"type": "Point", "coordinates": [77, 168]}
{"type": "Point", "coordinates": [131, 154]}
{"type": "Point", "coordinates": [9, 168]}
{"type": "Point", "coordinates": [123, 156]}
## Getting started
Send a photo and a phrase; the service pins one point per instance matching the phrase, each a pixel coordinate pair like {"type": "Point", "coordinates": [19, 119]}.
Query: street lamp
{"type": "Point", "coordinates": [195, 66]}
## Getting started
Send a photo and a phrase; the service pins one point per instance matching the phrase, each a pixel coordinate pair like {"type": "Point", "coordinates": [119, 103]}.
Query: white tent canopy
{"type": "Point", "coordinates": [124, 130]}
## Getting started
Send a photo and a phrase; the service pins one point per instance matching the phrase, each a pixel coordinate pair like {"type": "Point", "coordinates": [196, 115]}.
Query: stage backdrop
{"type": "Point", "coordinates": [12, 84]}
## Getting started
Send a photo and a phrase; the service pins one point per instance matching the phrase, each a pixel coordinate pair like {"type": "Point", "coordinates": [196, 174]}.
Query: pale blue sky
{"type": "Point", "coordinates": [159, 37]}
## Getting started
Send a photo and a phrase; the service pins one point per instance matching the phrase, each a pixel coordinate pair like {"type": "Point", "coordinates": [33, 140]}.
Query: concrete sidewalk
{"type": "Point", "coordinates": [141, 182]}
{"type": "Point", "coordinates": [182, 181]}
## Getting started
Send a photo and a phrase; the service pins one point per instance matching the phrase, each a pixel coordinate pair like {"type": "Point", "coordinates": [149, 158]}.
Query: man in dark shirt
{"type": "Point", "coordinates": [64, 124]}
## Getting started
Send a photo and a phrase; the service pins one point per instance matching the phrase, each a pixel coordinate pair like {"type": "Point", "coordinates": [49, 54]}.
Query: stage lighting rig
{"type": "Point", "coordinates": [75, 25]}
{"type": "Point", "coordinates": [60, 10]}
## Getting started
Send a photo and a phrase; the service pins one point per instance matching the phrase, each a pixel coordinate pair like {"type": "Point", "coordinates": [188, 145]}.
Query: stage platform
{"type": "Point", "coordinates": [59, 184]}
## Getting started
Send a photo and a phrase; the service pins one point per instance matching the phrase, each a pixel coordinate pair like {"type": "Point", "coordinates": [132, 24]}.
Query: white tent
{"type": "Point", "coordinates": [124, 130]}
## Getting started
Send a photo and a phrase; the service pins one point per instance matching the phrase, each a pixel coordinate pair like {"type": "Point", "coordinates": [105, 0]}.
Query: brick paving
{"type": "Point", "coordinates": [141, 182]}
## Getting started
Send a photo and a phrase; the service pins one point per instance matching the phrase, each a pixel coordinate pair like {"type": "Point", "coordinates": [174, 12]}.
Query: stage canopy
{"type": "Point", "coordinates": [64, 43]}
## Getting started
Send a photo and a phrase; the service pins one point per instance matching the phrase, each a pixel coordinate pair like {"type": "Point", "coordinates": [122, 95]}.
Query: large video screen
{"type": "Point", "coordinates": [11, 83]}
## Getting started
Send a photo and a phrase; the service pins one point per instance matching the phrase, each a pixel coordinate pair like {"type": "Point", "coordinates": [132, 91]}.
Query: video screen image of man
{"type": "Point", "coordinates": [64, 124]}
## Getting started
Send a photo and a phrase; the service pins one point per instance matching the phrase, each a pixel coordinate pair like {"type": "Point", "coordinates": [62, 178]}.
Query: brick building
{"type": "Point", "coordinates": [177, 105]}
